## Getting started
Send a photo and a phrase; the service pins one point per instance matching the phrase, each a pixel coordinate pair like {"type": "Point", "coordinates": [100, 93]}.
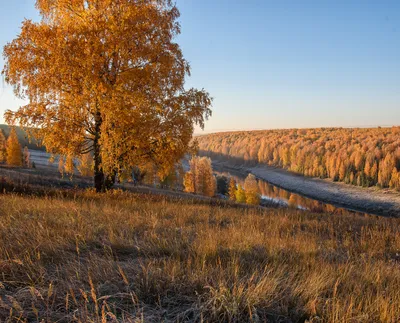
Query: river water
{"type": "Point", "coordinates": [274, 195]}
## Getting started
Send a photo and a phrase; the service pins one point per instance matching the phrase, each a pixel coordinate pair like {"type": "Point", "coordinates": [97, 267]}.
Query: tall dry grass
{"type": "Point", "coordinates": [142, 258]}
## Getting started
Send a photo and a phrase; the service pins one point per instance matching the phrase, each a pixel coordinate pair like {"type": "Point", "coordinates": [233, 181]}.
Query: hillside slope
{"type": "Point", "coordinates": [124, 257]}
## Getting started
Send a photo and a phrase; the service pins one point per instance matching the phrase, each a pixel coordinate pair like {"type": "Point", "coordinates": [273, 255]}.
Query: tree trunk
{"type": "Point", "coordinates": [102, 181]}
{"type": "Point", "coordinates": [99, 177]}
{"type": "Point", "coordinates": [109, 181]}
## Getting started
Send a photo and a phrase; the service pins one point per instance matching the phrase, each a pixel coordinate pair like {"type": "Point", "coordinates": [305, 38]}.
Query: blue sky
{"type": "Point", "coordinates": [280, 64]}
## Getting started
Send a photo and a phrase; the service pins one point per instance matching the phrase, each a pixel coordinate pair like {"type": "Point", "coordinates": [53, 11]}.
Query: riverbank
{"type": "Point", "coordinates": [370, 200]}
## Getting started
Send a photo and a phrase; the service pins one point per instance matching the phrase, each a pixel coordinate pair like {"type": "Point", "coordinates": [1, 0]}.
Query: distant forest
{"type": "Point", "coordinates": [362, 157]}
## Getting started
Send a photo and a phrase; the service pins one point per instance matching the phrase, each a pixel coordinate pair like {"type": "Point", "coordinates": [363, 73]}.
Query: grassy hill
{"type": "Point", "coordinates": [128, 257]}
{"type": "Point", "coordinates": [22, 137]}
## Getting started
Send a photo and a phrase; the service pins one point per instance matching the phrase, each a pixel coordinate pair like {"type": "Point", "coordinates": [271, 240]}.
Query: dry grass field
{"type": "Point", "coordinates": [126, 257]}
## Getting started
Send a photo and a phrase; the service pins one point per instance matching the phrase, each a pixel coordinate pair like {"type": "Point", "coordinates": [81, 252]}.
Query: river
{"type": "Point", "coordinates": [275, 195]}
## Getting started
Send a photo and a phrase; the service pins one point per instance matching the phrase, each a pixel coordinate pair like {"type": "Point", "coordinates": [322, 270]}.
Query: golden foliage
{"type": "Point", "coordinates": [69, 165]}
{"type": "Point", "coordinates": [13, 150]}
{"type": "Point", "coordinates": [232, 189]}
{"type": "Point", "coordinates": [2, 146]}
{"type": "Point", "coordinates": [106, 77]}
{"type": "Point", "coordinates": [209, 180]}
{"type": "Point", "coordinates": [172, 179]}
{"type": "Point", "coordinates": [61, 165]}
{"type": "Point", "coordinates": [200, 178]}
{"type": "Point", "coordinates": [240, 194]}
{"type": "Point", "coordinates": [395, 179]}
{"type": "Point", "coordinates": [188, 182]}
{"type": "Point", "coordinates": [364, 157]}
{"type": "Point", "coordinates": [85, 166]}
{"type": "Point", "coordinates": [252, 190]}
{"type": "Point", "coordinates": [149, 171]}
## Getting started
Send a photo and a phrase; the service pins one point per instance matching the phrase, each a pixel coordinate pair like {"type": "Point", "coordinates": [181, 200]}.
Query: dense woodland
{"type": "Point", "coordinates": [363, 157]}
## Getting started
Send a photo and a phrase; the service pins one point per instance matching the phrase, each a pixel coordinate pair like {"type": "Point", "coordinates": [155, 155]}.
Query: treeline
{"type": "Point", "coordinates": [11, 152]}
{"type": "Point", "coordinates": [201, 180]}
{"type": "Point", "coordinates": [362, 157]}
{"type": "Point", "coordinates": [23, 137]}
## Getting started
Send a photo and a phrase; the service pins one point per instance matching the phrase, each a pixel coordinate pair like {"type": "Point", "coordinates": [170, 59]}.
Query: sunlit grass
{"type": "Point", "coordinates": [129, 257]}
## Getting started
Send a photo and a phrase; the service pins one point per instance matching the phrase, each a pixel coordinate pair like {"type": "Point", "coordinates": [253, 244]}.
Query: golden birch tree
{"type": "Point", "coordinates": [188, 182]}
{"type": "Point", "coordinates": [2, 146]}
{"type": "Point", "coordinates": [200, 179]}
{"type": "Point", "coordinates": [232, 189]}
{"type": "Point", "coordinates": [209, 184]}
{"type": "Point", "coordinates": [106, 77]}
{"type": "Point", "coordinates": [395, 179]}
{"type": "Point", "coordinates": [240, 194]}
{"type": "Point", "coordinates": [252, 190]}
{"type": "Point", "coordinates": [13, 150]}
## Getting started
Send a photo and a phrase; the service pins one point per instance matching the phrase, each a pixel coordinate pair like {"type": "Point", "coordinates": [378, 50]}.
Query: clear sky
{"type": "Point", "coordinates": [279, 64]}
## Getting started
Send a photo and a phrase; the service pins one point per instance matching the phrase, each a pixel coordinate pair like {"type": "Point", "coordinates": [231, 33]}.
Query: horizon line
{"type": "Point", "coordinates": [293, 128]}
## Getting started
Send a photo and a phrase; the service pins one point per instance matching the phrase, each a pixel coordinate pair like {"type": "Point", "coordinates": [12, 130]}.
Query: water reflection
{"type": "Point", "coordinates": [285, 198]}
